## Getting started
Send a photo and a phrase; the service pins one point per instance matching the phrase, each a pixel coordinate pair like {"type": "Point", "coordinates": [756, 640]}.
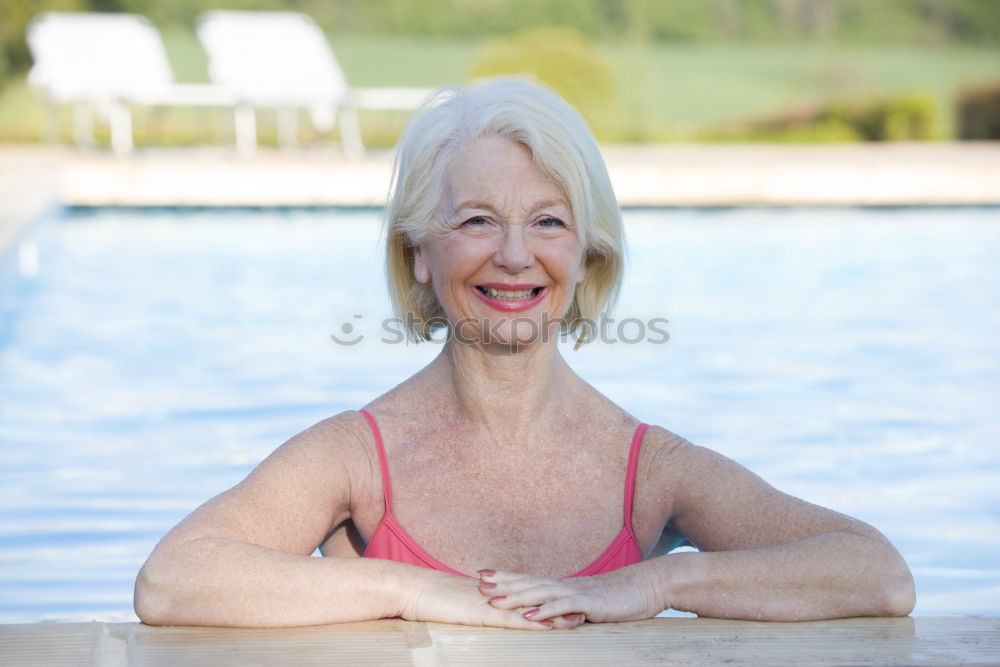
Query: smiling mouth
{"type": "Point", "coordinates": [509, 294]}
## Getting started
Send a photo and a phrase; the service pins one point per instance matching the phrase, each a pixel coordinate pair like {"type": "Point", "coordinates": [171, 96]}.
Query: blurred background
{"type": "Point", "coordinates": [639, 70]}
{"type": "Point", "coordinates": [810, 192]}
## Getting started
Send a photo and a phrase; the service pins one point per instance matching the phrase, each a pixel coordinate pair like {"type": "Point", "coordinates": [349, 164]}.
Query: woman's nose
{"type": "Point", "coordinates": [514, 254]}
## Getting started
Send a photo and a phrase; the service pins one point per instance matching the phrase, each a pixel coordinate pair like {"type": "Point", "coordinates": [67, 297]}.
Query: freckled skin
{"type": "Point", "coordinates": [503, 460]}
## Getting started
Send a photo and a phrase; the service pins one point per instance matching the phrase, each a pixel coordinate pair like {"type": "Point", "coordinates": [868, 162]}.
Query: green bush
{"type": "Point", "coordinates": [905, 117]}
{"type": "Point", "coordinates": [561, 58]}
{"type": "Point", "coordinates": [978, 112]}
{"type": "Point", "coordinates": [824, 131]}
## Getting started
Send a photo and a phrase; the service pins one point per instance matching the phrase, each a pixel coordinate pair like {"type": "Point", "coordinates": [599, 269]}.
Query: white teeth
{"type": "Point", "coordinates": [509, 293]}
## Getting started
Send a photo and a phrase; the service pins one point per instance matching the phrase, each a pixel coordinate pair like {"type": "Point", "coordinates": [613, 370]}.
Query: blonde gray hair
{"type": "Point", "coordinates": [562, 147]}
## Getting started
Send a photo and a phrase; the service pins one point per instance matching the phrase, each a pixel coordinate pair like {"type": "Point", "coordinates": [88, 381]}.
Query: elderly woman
{"type": "Point", "coordinates": [495, 487]}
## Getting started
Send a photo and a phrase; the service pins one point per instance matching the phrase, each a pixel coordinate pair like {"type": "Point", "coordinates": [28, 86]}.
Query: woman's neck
{"type": "Point", "coordinates": [510, 394]}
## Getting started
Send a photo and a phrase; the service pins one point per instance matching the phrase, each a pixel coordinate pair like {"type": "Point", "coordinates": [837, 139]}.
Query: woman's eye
{"type": "Point", "coordinates": [476, 220]}
{"type": "Point", "coordinates": [551, 222]}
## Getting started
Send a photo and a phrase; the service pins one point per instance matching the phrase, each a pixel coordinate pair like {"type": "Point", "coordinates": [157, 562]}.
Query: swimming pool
{"type": "Point", "coordinates": [149, 358]}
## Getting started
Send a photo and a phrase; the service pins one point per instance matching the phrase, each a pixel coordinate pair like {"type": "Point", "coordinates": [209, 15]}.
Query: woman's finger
{"type": "Point", "coordinates": [513, 619]}
{"type": "Point", "coordinates": [515, 594]}
{"type": "Point", "coordinates": [571, 609]}
{"type": "Point", "coordinates": [497, 576]}
{"type": "Point", "coordinates": [569, 621]}
{"type": "Point", "coordinates": [561, 621]}
{"type": "Point", "coordinates": [513, 584]}
{"type": "Point", "coordinates": [534, 613]}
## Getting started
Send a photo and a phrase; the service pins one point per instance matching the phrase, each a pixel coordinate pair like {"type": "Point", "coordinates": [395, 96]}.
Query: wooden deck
{"type": "Point", "coordinates": [672, 175]}
{"type": "Point", "coordinates": [34, 178]}
{"type": "Point", "coordinates": [659, 641]}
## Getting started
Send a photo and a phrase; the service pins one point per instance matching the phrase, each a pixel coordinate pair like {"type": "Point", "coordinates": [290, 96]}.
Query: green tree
{"type": "Point", "coordinates": [14, 18]}
{"type": "Point", "coordinates": [563, 59]}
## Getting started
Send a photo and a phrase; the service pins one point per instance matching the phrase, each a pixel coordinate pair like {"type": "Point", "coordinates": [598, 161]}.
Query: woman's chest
{"type": "Point", "coordinates": [545, 516]}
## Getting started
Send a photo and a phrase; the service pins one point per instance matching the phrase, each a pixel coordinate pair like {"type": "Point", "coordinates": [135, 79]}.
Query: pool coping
{"type": "Point", "coordinates": [33, 178]}
{"type": "Point", "coordinates": [861, 641]}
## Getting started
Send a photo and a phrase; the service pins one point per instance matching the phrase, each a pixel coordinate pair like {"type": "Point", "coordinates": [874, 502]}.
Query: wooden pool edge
{"type": "Point", "coordinates": [909, 640]}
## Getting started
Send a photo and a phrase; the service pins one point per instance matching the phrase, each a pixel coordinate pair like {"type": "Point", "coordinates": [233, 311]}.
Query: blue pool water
{"type": "Point", "coordinates": [148, 359]}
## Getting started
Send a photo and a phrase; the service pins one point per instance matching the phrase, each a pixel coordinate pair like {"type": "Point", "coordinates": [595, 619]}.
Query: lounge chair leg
{"type": "Point", "coordinates": [156, 122]}
{"type": "Point", "coordinates": [246, 130]}
{"type": "Point", "coordinates": [350, 133]}
{"type": "Point", "coordinates": [121, 128]}
{"type": "Point", "coordinates": [50, 132]}
{"type": "Point", "coordinates": [83, 125]}
{"type": "Point", "coordinates": [288, 127]}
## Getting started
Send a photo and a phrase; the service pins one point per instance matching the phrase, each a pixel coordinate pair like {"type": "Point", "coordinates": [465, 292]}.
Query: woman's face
{"type": "Point", "coordinates": [503, 255]}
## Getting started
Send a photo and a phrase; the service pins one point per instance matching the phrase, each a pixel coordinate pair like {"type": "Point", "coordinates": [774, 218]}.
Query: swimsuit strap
{"type": "Point", "coordinates": [633, 465]}
{"type": "Point", "coordinates": [383, 461]}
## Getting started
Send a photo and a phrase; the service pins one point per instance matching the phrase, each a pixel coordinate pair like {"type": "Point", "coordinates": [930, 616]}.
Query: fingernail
{"type": "Point", "coordinates": [547, 623]}
{"type": "Point", "coordinates": [486, 573]}
{"type": "Point", "coordinates": [487, 584]}
{"type": "Point", "coordinates": [530, 613]}
{"type": "Point", "coordinates": [496, 598]}
{"type": "Point", "coordinates": [573, 618]}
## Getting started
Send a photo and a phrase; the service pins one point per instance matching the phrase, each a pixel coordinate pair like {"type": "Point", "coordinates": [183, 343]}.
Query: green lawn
{"type": "Point", "coordinates": [665, 92]}
{"type": "Point", "coordinates": [677, 90]}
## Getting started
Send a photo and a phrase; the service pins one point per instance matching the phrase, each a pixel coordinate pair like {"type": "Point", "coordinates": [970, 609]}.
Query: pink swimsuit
{"type": "Point", "coordinates": [392, 542]}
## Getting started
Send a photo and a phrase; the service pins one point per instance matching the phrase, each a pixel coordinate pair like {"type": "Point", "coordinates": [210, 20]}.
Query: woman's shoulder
{"type": "Point", "coordinates": [419, 399]}
{"type": "Point", "coordinates": [348, 423]}
{"type": "Point", "coordinates": [666, 441]}
{"type": "Point", "coordinates": [343, 435]}
{"type": "Point", "coordinates": [676, 461]}
{"type": "Point", "coordinates": [413, 391]}
{"type": "Point", "coordinates": [666, 456]}
{"type": "Point", "coordinates": [593, 407]}
{"type": "Point", "coordinates": [338, 449]}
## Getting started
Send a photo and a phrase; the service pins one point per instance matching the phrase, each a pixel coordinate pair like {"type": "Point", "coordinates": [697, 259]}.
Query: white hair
{"type": "Point", "coordinates": [562, 147]}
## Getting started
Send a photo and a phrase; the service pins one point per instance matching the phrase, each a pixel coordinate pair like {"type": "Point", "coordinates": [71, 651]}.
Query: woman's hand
{"type": "Point", "coordinates": [445, 598]}
{"type": "Point", "coordinates": [621, 595]}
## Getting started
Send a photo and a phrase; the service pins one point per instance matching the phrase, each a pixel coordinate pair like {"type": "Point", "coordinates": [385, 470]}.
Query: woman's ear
{"type": "Point", "coordinates": [421, 269]}
{"type": "Point", "coordinates": [581, 272]}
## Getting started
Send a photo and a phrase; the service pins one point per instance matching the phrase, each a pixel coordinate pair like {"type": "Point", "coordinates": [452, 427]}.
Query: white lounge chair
{"type": "Point", "coordinates": [107, 62]}
{"type": "Point", "coordinates": [282, 60]}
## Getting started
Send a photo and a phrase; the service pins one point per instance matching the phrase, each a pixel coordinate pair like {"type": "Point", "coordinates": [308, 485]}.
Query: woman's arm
{"type": "Point", "coordinates": [765, 556]}
{"type": "Point", "coordinates": [244, 558]}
